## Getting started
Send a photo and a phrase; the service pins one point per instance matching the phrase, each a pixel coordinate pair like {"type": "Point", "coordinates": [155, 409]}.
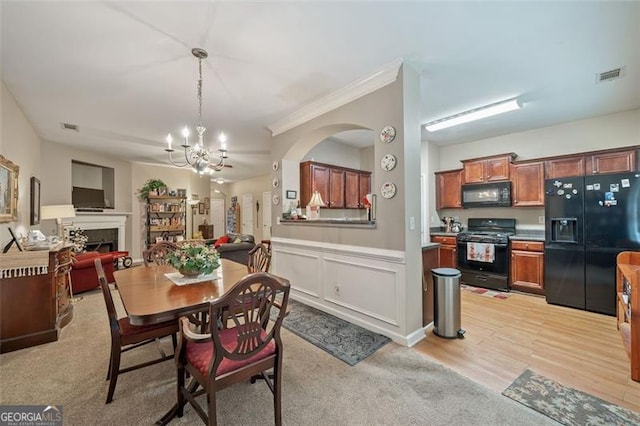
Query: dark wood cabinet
{"type": "Point", "coordinates": [36, 298]}
{"type": "Point", "coordinates": [429, 262]}
{"type": "Point", "coordinates": [527, 184]}
{"type": "Point", "coordinates": [628, 306]}
{"type": "Point", "coordinates": [339, 187]}
{"type": "Point", "coordinates": [527, 266]}
{"type": "Point", "coordinates": [448, 189]}
{"type": "Point", "coordinates": [448, 252]}
{"type": "Point", "coordinates": [487, 169]}
{"type": "Point", "coordinates": [592, 163]}
{"type": "Point", "coordinates": [612, 162]}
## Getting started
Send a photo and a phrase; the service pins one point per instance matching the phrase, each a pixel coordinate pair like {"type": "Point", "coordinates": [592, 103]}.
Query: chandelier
{"type": "Point", "coordinates": [200, 159]}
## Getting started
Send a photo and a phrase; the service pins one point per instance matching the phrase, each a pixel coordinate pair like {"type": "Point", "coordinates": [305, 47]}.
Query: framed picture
{"type": "Point", "coordinates": [200, 208]}
{"type": "Point", "coordinates": [206, 202]}
{"type": "Point", "coordinates": [8, 190]}
{"type": "Point", "coordinates": [291, 195]}
{"type": "Point", "coordinates": [182, 192]}
{"type": "Point", "coordinates": [35, 201]}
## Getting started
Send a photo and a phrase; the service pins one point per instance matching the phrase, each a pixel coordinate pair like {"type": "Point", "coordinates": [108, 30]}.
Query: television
{"type": "Point", "coordinates": [87, 198]}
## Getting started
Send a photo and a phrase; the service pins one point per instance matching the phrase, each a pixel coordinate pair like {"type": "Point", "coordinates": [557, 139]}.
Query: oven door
{"type": "Point", "coordinates": [483, 257]}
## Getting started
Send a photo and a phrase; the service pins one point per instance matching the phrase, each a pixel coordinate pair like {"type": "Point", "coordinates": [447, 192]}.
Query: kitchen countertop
{"type": "Point", "coordinates": [444, 234]}
{"type": "Point", "coordinates": [430, 245]}
{"type": "Point", "coordinates": [528, 236]}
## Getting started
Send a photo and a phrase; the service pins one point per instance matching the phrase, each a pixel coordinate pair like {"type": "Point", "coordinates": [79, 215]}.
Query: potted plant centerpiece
{"type": "Point", "coordinates": [192, 260]}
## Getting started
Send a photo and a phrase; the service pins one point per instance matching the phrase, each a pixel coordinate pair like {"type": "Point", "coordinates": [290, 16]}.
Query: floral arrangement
{"type": "Point", "coordinates": [78, 238]}
{"type": "Point", "coordinates": [191, 259]}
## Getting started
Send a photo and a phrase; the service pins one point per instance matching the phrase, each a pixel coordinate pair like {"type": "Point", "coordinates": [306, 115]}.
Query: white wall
{"type": "Point", "coordinates": [20, 144]}
{"type": "Point", "coordinates": [255, 186]}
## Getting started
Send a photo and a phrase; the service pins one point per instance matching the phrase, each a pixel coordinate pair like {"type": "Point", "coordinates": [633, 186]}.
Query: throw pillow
{"type": "Point", "coordinates": [220, 241]}
{"type": "Point", "coordinates": [237, 240]}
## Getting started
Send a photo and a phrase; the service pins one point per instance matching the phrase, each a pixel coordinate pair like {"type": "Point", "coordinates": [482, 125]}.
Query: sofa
{"type": "Point", "coordinates": [83, 270]}
{"type": "Point", "coordinates": [235, 247]}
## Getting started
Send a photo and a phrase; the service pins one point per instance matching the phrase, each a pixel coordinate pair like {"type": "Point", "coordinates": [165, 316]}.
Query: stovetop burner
{"type": "Point", "coordinates": [496, 231]}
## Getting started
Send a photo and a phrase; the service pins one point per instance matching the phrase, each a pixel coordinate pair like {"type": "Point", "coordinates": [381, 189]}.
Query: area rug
{"type": "Point", "coordinates": [347, 342]}
{"type": "Point", "coordinates": [566, 405]}
{"type": "Point", "coordinates": [501, 295]}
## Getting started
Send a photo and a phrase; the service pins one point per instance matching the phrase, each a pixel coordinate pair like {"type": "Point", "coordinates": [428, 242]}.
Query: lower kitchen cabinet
{"type": "Point", "coordinates": [448, 253]}
{"type": "Point", "coordinates": [527, 266]}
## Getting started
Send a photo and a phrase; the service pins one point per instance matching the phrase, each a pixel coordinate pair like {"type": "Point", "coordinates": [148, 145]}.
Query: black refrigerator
{"type": "Point", "coordinates": [588, 221]}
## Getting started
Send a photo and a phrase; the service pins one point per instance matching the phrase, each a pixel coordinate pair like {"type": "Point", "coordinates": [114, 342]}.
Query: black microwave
{"type": "Point", "coordinates": [494, 194]}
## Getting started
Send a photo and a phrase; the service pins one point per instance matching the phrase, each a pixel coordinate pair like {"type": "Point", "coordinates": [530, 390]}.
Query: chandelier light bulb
{"type": "Point", "coordinates": [169, 140]}
{"type": "Point", "coordinates": [222, 138]}
{"type": "Point", "coordinates": [185, 132]}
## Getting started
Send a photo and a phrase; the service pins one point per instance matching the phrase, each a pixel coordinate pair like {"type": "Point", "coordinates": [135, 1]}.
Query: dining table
{"type": "Point", "coordinates": [150, 297]}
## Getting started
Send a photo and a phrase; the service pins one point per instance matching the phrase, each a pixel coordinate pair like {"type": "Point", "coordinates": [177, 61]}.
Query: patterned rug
{"type": "Point", "coordinates": [485, 292]}
{"type": "Point", "coordinates": [566, 405]}
{"type": "Point", "coordinates": [347, 342]}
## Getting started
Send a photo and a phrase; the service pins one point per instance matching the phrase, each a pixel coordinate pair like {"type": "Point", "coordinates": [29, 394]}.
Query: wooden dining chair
{"type": "Point", "coordinates": [228, 355]}
{"type": "Point", "coordinates": [259, 259]}
{"type": "Point", "coordinates": [158, 252]}
{"type": "Point", "coordinates": [125, 336]}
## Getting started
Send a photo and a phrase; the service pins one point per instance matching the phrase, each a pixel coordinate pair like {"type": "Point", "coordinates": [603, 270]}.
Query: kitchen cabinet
{"type": "Point", "coordinates": [448, 189]}
{"type": "Point", "coordinates": [339, 187]}
{"type": "Point", "coordinates": [527, 180]}
{"type": "Point", "coordinates": [628, 311]}
{"type": "Point", "coordinates": [448, 252]}
{"type": "Point", "coordinates": [429, 262]}
{"type": "Point", "coordinates": [36, 297]}
{"type": "Point", "coordinates": [487, 169]}
{"type": "Point", "coordinates": [357, 184]}
{"type": "Point", "coordinates": [611, 162]}
{"type": "Point", "coordinates": [527, 266]}
{"type": "Point", "coordinates": [593, 163]}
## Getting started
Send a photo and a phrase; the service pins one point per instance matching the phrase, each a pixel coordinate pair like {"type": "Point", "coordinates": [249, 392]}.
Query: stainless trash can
{"type": "Point", "coordinates": [446, 303]}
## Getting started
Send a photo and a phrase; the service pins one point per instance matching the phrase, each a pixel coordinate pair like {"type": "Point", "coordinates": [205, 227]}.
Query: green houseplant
{"type": "Point", "coordinates": [193, 260]}
{"type": "Point", "coordinates": [150, 185]}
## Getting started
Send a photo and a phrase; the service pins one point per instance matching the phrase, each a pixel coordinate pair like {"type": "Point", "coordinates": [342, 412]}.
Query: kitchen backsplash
{"type": "Point", "coordinates": [527, 218]}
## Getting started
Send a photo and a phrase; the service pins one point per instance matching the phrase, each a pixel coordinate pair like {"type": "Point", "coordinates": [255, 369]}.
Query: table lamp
{"type": "Point", "coordinates": [58, 212]}
{"type": "Point", "coordinates": [313, 208]}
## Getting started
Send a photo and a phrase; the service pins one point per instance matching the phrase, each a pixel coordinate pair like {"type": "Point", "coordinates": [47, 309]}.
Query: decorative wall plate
{"type": "Point", "coordinates": [387, 134]}
{"type": "Point", "coordinates": [275, 166]}
{"type": "Point", "coordinates": [388, 162]}
{"type": "Point", "coordinates": [388, 190]}
{"type": "Point", "coordinates": [276, 199]}
{"type": "Point", "coordinates": [275, 182]}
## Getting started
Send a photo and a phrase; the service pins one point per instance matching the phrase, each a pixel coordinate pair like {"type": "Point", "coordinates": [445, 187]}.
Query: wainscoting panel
{"type": "Point", "coordinates": [301, 264]}
{"type": "Point", "coordinates": [363, 285]}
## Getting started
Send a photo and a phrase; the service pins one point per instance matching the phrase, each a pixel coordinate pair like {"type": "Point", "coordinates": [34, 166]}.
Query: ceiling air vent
{"type": "Point", "coordinates": [610, 75]}
{"type": "Point", "coordinates": [68, 126]}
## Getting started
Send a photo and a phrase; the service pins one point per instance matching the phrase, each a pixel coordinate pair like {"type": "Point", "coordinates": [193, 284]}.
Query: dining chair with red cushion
{"type": "Point", "coordinates": [228, 355]}
{"type": "Point", "coordinates": [125, 336]}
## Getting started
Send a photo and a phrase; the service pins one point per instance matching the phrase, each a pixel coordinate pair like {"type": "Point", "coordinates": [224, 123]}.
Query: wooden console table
{"type": "Point", "coordinates": [628, 312]}
{"type": "Point", "coordinates": [35, 302]}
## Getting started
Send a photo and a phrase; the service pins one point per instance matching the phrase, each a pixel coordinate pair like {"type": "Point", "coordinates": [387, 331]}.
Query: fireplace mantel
{"type": "Point", "coordinates": [104, 220]}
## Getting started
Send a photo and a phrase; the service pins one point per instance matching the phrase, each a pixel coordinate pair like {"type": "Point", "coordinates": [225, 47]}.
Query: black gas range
{"type": "Point", "coordinates": [483, 257]}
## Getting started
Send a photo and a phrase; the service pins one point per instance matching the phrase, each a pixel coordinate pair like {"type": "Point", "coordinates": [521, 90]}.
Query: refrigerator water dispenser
{"type": "Point", "coordinates": [564, 230]}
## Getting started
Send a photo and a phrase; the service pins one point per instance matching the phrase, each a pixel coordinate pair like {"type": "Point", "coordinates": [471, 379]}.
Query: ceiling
{"type": "Point", "coordinates": [123, 71]}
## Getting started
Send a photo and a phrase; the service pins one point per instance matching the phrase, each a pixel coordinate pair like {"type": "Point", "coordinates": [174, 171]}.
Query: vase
{"type": "Point", "coordinates": [189, 273]}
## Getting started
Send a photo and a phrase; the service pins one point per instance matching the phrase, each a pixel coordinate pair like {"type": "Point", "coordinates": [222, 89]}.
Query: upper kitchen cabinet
{"type": "Point", "coordinates": [612, 162]}
{"type": "Point", "coordinates": [592, 163]}
{"type": "Point", "coordinates": [448, 185]}
{"type": "Point", "coordinates": [527, 184]}
{"type": "Point", "coordinates": [487, 169]}
{"type": "Point", "coordinates": [339, 187]}
{"type": "Point", "coordinates": [560, 167]}
{"type": "Point", "coordinates": [357, 184]}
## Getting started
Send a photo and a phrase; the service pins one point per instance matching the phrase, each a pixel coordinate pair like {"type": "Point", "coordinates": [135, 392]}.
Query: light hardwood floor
{"type": "Point", "coordinates": [579, 349]}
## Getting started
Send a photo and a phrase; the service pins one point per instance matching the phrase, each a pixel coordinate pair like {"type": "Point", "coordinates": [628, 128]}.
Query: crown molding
{"type": "Point", "coordinates": [357, 89]}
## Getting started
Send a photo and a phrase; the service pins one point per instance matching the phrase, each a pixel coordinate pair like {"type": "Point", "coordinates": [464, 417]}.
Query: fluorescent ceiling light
{"type": "Point", "coordinates": [473, 114]}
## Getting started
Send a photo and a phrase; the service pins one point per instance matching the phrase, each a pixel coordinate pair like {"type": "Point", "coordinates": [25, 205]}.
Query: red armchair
{"type": "Point", "coordinates": [83, 271]}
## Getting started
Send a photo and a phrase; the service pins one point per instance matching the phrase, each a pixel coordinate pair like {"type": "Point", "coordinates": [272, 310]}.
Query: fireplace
{"type": "Point", "coordinates": [102, 240]}
{"type": "Point", "coordinates": [103, 229]}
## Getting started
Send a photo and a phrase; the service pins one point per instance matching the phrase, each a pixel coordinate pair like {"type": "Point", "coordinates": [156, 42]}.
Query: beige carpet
{"type": "Point", "coordinates": [394, 386]}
